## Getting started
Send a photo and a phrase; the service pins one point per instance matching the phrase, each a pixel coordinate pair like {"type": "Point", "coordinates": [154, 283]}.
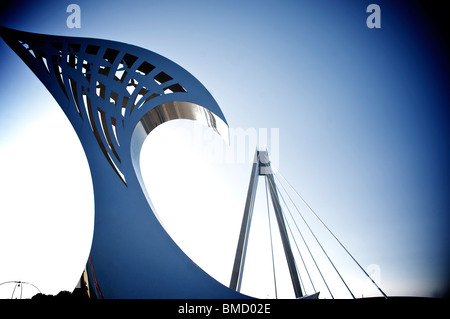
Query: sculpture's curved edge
{"type": "Point", "coordinates": [131, 256]}
{"type": "Point", "coordinates": [168, 112]}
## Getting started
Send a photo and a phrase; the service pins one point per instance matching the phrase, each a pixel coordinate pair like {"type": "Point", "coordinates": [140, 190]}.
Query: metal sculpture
{"type": "Point", "coordinates": [114, 95]}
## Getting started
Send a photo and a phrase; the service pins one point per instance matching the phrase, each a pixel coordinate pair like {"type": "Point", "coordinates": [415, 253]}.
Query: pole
{"type": "Point", "coordinates": [264, 157]}
{"type": "Point", "coordinates": [239, 260]}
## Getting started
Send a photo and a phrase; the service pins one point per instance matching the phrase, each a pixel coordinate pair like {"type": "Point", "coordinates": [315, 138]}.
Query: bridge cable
{"type": "Point", "coordinates": [306, 244]}
{"type": "Point", "coordinates": [273, 188]}
{"type": "Point", "coordinates": [271, 244]}
{"type": "Point", "coordinates": [382, 292]}
{"type": "Point", "coordinates": [295, 241]}
{"type": "Point", "coordinates": [329, 259]}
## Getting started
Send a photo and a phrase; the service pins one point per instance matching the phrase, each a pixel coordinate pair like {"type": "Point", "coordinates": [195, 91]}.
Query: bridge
{"type": "Point", "coordinates": [114, 94]}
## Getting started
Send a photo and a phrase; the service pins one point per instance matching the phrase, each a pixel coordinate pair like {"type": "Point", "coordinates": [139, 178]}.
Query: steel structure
{"type": "Point", "coordinates": [261, 167]}
{"type": "Point", "coordinates": [114, 95]}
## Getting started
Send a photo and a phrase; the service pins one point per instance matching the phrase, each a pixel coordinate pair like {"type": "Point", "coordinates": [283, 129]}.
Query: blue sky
{"type": "Point", "coordinates": [362, 116]}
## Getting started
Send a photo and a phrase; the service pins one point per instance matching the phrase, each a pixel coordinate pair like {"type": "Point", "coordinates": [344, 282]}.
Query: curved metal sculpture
{"type": "Point", "coordinates": [114, 95]}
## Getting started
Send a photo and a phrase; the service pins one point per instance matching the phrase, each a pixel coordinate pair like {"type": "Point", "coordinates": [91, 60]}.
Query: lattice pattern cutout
{"type": "Point", "coordinates": [104, 85]}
